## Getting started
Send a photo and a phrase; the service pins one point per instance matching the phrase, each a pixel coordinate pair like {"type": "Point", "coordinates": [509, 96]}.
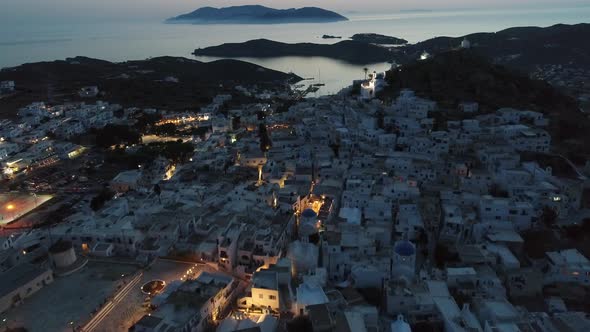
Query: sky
{"type": "Point", "coordinates": [31, 10]}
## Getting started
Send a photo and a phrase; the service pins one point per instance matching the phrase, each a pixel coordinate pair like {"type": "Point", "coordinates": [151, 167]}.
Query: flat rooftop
{"type": "Point", "coordinates": [18, 276]}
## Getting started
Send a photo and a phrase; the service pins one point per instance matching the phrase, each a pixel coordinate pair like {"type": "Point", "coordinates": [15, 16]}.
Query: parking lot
{"type": "Point", "coordinates": [15, 205]}
{"type": "Point", "coordinates": [78, 295]}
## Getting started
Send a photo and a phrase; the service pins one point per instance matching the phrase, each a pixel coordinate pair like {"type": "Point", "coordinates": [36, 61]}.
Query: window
{"type": "Point", "coordinates": [272, 297]}
{"type": "Point", "coordinates": [260, 296]}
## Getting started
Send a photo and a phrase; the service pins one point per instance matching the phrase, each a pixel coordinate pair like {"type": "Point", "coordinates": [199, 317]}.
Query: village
{"type": "Point", "coordinates": [343, 213]}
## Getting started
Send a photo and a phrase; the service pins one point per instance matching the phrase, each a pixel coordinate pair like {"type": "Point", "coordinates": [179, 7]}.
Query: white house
{"type": "Point", "coordinates": [7, 86]}
{"type": "Point", "coordinates": [568, 266]}
{"type": "Point", "coordinates": [20, 282]}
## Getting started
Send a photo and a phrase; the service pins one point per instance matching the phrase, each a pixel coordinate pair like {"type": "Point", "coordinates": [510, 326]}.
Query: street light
{"type": "Point", "coordinates": [10, 207]}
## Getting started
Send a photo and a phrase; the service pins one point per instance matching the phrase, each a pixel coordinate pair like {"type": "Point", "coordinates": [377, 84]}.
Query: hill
{"type": "Point", "coordinates": [456, 76]}
{"type": "Point", "coordinates": [257, 14]}
{"type": "Point", "coordinates": [140, 83]}
{"type": "Point", "coordinates": [350, 51]}
{"type": "Point", "coordinates": [523, 48]}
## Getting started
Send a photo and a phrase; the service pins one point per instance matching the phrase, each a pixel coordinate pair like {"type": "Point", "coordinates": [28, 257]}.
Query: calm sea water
{"type": "Point", "coordinates": [119, 41]}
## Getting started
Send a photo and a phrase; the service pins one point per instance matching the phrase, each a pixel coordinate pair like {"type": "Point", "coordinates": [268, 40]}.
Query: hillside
{"type": "Point", "coordinates": [522, 48]}
{"type": "Point", "coordinates": [456, 76]}
{"type": "Point", "coordinates": [350, 51]}
{"type": "Point", "coordinates": [257, 14]}
{"type": "Point", "coordinates": [133, 83]}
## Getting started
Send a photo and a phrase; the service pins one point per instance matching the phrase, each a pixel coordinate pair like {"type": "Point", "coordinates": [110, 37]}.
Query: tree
{"type": "Point", "coordinates": [548, 216]}
{"type": "Point", "coordinates": [265, 143]}
{"type": "Point", "coordinates": [442, 255]}
{"type": "Point", "coordinates": [99, 200]}
{"type": "Point", "coordinates": [115, 135]}
{"type": "Point", "coordinates": [146, 120]}
{"type": "Point", "coordinates": [497, 191]}
{"type": "Point", "coordinates": [380, 119]}
{"type": "Point", "coordinates": [235, 122]}
{"type": "Point", "coordinates": [300, 324]}
{"type": "Point", "coordinates": [158, 191]}
{"type": "Point", "coordinates": [168, 129]}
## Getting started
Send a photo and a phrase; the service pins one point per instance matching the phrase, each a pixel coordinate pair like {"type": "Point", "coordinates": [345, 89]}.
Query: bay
{"type": "Point", "coordinates": [118, 40]}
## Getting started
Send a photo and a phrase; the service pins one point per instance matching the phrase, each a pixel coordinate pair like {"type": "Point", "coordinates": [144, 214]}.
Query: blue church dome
{"type": "Point", "coordinates": [308, 213]}
{"type": "Point", "coordinates": [405, 248]}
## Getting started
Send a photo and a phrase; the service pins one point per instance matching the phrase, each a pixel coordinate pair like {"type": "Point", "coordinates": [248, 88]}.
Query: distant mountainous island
{"type": "Point", "coordinates": [257, 14]}
{"type": "Point", "coordinates": [349, 50]}
{"type": "Point", "coordinates": [374, 38]}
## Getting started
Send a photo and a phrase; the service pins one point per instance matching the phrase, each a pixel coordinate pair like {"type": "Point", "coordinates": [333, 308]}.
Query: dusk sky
{"type": "Point", "coordinates": [18, 10]}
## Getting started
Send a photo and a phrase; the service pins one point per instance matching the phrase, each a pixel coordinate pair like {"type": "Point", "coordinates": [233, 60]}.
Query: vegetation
{"type": "Point", "coordinates": [144, 121]}
{"type": "Point", "coordinates": [158, 191]}
{"type": "Point", "coordinates": [116, 135]}
{"type": "Point", "coordinates": [99, 200]}
{"type": "Point", "coordinates": [300, 324]}
{"type": "Point", "coordinates": [548, 216]}
{"type": "Point", "coordinates": [265, 142]}
{"type": "Point", "coordinates": [175, 151]}
{"type": "Point", "coordinates": [167, 129]}
{"type": "Point", "coordinates": [200, 131]}
{"type": "Point", "coordinates": [442, 255]}
{"type": "Point", "coordinates": [236, 122]}
{"type": "Point", "coordinates": [578, 232]}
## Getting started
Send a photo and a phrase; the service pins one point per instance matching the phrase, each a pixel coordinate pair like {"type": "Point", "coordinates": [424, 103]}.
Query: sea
{"type": "Point", "coordinates": [120, 40]}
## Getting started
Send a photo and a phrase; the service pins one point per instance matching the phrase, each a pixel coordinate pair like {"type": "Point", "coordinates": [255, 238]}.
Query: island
{"type": "Point", "coordinates": [348, 50]}
{"type": "Point", "coordinates": [331, 37]}
{"type": "Point", "coordinates": [255, 14]}
{"type": "Point", "coordinates": [555, 54]}
{"type": "Point", "coordinates": [374, 38]}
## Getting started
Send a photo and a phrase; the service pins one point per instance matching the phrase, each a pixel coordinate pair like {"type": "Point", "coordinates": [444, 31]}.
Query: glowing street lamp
{"type": "Point", "coordinates": [10, 207]}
